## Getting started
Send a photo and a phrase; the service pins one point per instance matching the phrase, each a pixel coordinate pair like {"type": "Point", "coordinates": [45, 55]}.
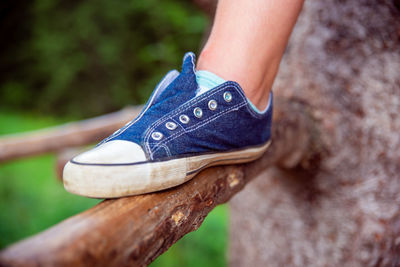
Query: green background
{"type": "Point", "coordinates": [67, 60]}
{"type": "Point", "coordinates": [107, 54]}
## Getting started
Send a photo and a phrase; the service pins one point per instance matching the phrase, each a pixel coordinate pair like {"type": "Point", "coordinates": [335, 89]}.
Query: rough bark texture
{"type": "Point", "coordinates": [343, 62]}
{"type": "Point", "coordinates": [133, 231]}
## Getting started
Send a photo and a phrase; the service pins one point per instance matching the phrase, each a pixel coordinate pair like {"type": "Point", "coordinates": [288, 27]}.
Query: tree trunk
{"type": "Point", "coordinates": [343, 207]}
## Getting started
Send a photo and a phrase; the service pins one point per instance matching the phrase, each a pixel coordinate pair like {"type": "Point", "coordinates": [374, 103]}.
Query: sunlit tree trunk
{"type": "Point", "coordinates": [341, 208]}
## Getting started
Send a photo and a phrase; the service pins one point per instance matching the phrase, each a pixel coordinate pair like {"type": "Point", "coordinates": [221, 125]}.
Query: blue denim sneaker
{"type": "Point", "coordinates": [177, 134]}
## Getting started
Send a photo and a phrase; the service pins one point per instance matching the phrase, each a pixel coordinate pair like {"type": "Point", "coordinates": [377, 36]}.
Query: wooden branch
{"type": "Point", "coordinates": [133, 231]}
{"type": "Point", "coordinates": [71, 134]}
{"type": "Point", "coordinates": [63, 157]}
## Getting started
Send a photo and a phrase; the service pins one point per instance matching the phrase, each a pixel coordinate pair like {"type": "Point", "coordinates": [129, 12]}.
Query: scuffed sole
{"type": "Point", "coordinates": [112, 181]}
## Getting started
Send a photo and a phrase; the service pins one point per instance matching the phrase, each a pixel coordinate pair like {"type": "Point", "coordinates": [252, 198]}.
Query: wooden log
{"type": "Point", "coordinates": [71, 134]}
{"type": "Point", "coordinates": [133, 231]}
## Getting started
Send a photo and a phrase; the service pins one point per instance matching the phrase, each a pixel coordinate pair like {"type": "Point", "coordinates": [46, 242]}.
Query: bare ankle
{"type": "Point", "coordinates": [255, 83]}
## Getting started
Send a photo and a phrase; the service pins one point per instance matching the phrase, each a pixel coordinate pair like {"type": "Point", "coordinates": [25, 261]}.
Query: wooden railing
{"type": "Point", "coordinates": [133, 231]}
{"type": "Point", "coordinates": [69, 135]}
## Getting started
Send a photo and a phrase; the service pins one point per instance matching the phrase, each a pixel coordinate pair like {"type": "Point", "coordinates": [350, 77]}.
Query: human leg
{"type": "Point", "coordinates": [247, 42]}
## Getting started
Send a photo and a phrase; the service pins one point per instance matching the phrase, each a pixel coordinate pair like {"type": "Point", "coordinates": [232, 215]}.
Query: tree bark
{"type": "Point", "coordinates": [343, 208]}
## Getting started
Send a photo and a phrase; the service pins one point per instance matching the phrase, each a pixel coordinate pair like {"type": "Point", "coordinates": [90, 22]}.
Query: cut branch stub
{"type": "Point", "coordinates": [135, 230]}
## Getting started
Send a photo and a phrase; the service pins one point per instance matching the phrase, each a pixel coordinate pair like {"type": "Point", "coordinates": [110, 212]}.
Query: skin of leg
{"type": "Point", "coordinates": [247, 42]}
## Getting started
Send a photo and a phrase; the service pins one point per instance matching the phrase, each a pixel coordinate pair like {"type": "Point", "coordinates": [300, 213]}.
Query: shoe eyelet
{"type": "Point", "coordinates": [171, 125]}
{"type": "Point", "coordinates": [184, 119]}
{"type": "Point", "coordinates": [156, 136]}
{"type": "Point", "coordinates": [198, 112]}
{"type": "Point", "coordinates": [227, 96]}
{"type": "Point", "coordinates": [212, 104]}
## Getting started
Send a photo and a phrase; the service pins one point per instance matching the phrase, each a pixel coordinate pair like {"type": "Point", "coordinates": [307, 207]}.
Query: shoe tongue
{"type": "Point", "coordinates": [172, 94]}
{"type": "Point", "coordinates": [186, 83]}
{"type": "Point", "coordinates": [184, 86]}
{"type": "Point", "coordinates": [188, 65]}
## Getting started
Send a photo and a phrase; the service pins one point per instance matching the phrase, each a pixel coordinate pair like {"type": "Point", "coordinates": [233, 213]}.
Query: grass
{"type": "Point", "coordinates": [32, 199]}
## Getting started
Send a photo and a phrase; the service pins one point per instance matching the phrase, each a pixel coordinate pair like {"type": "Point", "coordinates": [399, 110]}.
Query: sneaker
{"type": "Point", "coordinates": [177, 134]}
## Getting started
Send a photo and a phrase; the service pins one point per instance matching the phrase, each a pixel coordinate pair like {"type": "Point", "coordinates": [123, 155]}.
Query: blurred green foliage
{"type": "Point", "coordinates": [84, 58]}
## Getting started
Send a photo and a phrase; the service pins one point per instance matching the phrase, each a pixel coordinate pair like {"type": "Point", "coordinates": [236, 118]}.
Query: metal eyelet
{"type": "Point", "coordinates": [157, 136]}
{"type": "Point", "coordinates": [212, 104]}
{"type": "Point", "coordinates": [171, 125]}
{"type": "Point", "coordinates": [198, 112]}
{"type": "Point", "coordinates": [184, 119]}
{"type": "Point", "coordinates": [227, 96]}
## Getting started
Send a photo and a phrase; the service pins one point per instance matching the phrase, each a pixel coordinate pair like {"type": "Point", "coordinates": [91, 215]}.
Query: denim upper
{"type": "Point", "coordinates": [230, 124]}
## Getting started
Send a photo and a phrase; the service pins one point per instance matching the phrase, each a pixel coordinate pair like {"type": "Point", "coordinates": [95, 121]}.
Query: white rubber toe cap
{"type": "Point", "coordinates": [109, 171]}
{"type": "Point", "coordinates": [113, 152]}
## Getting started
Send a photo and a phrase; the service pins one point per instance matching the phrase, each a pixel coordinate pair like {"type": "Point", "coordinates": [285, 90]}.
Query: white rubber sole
{"type": "Point", "coordinates": [111, 181]}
